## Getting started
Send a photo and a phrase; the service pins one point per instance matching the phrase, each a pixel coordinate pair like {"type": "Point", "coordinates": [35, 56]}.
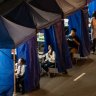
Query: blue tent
{"type": "Point", "coordinates": [11, 35]}
{"type": "Point", "coordinates": [22, 15]}
{"type": "Point", "coordinates": [25, 21]}
{"type": "Point", "coordinates": [19, 29]}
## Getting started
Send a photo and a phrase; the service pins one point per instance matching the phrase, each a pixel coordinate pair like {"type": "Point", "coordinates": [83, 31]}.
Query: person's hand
{"type": "Point", "coordinates": [74, 39]}
{"type": "Point", "coordinates": [44, 61]}
{"type": "Point", "coordinates": [15, 71]}
{"type": "Point", "coordinates": [48, 54]}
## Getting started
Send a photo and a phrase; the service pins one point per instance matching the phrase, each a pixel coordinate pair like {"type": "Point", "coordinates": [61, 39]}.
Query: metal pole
{"type": "Point", "coordinates": [14, 74]}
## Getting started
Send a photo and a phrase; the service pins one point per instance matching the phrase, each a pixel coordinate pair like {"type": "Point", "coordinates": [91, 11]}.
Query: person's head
{"type": "Point", "coordinates": [94, 14]}
{"type": "Point", "coordinates": [49, 47]}
{"type": "Point", "coordinates": [73, 32]}
{"type": "Point", "coordinates": [21, 61]}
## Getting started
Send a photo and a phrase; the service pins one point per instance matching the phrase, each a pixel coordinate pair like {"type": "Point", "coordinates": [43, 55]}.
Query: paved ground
{"type": "Point", "coordinates": [64, 85]}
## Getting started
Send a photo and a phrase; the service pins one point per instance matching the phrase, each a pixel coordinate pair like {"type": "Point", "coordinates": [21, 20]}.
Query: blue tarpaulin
{"type": "Point", "coordinates": [78, 20]}
{"type": "Point", "coordinates": [91, 7]}
{"type": "Point", "coordinates": [50, 39]}
{"type": "Point", "coordinates": [6, 72]}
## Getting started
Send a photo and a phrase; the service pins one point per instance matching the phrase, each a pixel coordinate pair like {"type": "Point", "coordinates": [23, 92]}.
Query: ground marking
{"type": "Point", "coordinates": [79, 76]}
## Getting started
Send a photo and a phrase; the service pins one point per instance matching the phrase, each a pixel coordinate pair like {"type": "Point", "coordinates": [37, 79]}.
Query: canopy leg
{"type": "Point", "coordinates": [14, 73]}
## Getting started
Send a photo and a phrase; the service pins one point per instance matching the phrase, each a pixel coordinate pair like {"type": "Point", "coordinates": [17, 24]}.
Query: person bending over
{"type": "Point", "coordinates": [73, 42]}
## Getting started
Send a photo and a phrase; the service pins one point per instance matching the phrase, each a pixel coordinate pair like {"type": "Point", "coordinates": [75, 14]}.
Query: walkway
{"type": "Point", "coordinates": [70, 85]}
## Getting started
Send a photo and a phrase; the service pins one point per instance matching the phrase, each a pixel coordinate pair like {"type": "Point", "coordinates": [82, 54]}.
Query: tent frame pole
{"type": "Point", "coordinates": [14, 73]}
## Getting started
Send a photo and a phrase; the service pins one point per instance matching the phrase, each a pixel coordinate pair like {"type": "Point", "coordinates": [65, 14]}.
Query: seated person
{"type": "Point", "coordinates": [20, 71]}
{"type": "Point", "coordinates": [49, 59]}
{"type": "Point", "coordinates": [73, 41]}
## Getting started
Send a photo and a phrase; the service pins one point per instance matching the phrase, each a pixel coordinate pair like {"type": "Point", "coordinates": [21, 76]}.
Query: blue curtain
{"type": "Point", "coordinates": [54, 36]}
{"type": "Point", "coordinates": [49, 35]}
{"type": "Point", "coordinates": [50, 39]}
{"type": "Point", "coordinates": [6, 72]}
{"type": "Point", "coordinates": [92, 7]}
{"type": "Point", "coordinates": [78, 20]}
{"type": "Point", "coordinates": [28, 51]}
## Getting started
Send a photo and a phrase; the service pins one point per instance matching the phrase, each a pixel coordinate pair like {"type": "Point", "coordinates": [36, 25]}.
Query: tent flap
{"type": "Point", "coordinates": [69, 6]}
{"type": "Point", "coordinates": [6, 72]}
{"type": "Point", "coordinates": [43, 18]}
{"type": "Point", "coordinates": [5, 39]}
{"type": "Point", "coordinates": [18, 33]}
{"type": "Point", "coordinates": [59, 6]}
